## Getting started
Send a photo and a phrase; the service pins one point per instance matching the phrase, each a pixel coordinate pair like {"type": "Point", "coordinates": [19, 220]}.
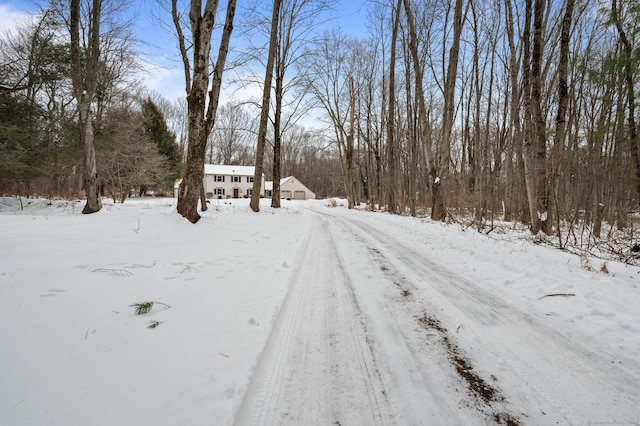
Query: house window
{"type": "Point", "coordinates": [249, 179]}
{"type": "Point", "coordinates": [218, 191]}
{"type": "Point", "coordinates": [218, 178]}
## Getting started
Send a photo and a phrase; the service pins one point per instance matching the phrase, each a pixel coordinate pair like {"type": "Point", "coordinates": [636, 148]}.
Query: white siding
{"type": "Point", "coordinates": [295, 189]}
{"type": "Point", "coordinates": [234, 181]}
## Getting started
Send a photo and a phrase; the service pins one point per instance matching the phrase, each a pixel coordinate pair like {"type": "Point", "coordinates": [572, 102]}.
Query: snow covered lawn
{"type": "Point", "coordinates": [302, 315]}
{"type": "Point", "coordinates": [74, 352]}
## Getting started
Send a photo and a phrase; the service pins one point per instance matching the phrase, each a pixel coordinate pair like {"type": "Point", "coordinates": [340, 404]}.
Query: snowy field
{"type": "Point", "coordinates": [304, 315]}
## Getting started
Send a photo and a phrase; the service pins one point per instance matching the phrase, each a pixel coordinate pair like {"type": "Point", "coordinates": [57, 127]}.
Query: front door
{"type": "Point", "coordinates": [236, 193]}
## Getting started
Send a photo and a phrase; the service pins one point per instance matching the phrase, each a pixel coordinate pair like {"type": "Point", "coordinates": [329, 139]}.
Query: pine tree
{"type": "Point", "coordinates": [21, 156]}
{"type": "Point", "coordinates": [157, 131]}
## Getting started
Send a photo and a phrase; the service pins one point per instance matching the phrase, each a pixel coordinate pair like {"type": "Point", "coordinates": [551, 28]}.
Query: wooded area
{"type": "Point", "coordinates": [519, 110]}
{"type": "Point", "coordinates": [75, 120]}
{"type": "Point", "coordinates": [516, 110]}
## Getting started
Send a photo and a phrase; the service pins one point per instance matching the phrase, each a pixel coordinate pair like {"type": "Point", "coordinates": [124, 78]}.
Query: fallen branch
{"type": "Point", "coordinates": [557, 294]}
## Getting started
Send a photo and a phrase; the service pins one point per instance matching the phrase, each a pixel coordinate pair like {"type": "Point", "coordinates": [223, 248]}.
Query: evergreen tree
{"type": "Point", "coordinates": [22, 157]}
{"type": "Point", "coordinates": [157, 131]}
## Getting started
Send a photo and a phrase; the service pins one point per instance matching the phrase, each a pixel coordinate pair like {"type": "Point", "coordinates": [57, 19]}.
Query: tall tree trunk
{"type": "Point", "coordinates": [438, 211]}
{"type": "Point", "coordinates": [535, 133]}
{"type": "Point", "coordinates": [391, 118]}
{"type": "Point", "coordinates": [201, 114]}
{"type": "Point", "coordinates": [85, 79]}
{"type": "Point", "coordinates": [264, 115]}
{"type": "Point", "coordinates": [282, 45]}
{"type": "Point", "coordinates": [539, 122]}
{"type": "Point", "coordinates": [561, 119]}
{"type": "Point", "coordinates": [515, 148]}
{"type": "Point", "coordinates": [277, 139]}
{"type": "Point", "coordinates": [597, 167]}
{"type": "Point", "coordinates": [474, 141]}
{"type": "Point", "coordinates": [629, 67]}
{"type": "Point", "coordinates": [423, 122]}
{"type": "Point", "coordinates": [492, 168]}
{"type": "Point", "coordinates": [412, 136]}
{"type": "Point", "coordinates": [349, 146]}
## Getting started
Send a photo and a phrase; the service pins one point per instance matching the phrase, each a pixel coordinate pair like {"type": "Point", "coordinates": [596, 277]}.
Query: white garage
{"type": "Point", "coordinates": [291, 188]}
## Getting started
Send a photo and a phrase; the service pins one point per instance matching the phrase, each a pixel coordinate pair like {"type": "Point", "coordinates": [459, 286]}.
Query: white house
{"type": "Point", "coordinates": [292, 188]}
{"type": "Point", "coordinates": [223, 181]}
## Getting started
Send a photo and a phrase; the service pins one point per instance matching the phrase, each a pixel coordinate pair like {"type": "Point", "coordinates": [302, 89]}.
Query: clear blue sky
{"type": "Point", "coordinates": [350, 14]}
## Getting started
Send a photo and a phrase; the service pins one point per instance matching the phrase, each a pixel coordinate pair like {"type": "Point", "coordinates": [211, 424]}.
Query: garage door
{"type": "Point", "coordinates": [300, 195]}
{"type": "Point", "coordinates": [285, 194]}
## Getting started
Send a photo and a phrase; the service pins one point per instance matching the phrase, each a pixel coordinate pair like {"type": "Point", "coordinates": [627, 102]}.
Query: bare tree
{"type": "Point", "coordinates": [515, 162]}
{"type": "Point", "coordinates": [392, 154]}
{"type": "Point", "coordinates": [328, 79]}
{"type": "Point", "coordinates": [176, 115]}
{"type": "Point", "coordinates": [561, 115]}
{"type": "Point", "coordinates": [264, 114]}
{"type": "Point", "coordinates": [201, 109]}
{"type": "Point", "coordinates": [438, 211]}
{"type": "Point", "coordinates": [84, 75]}
{"type": "Point", "coordinates": [232, 136]}
{"type": "Point", "coordinates": [423, 122]}
{"type": "Point", "coordinates": [535, 131]}
{"type": "Point", "coordinates": [629, 65]}
{"type": "Point", "coordinates": [297, 21]}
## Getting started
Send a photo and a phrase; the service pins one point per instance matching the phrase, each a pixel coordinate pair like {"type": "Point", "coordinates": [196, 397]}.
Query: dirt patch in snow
{"type": "Point", "coordinates": [478, 387]}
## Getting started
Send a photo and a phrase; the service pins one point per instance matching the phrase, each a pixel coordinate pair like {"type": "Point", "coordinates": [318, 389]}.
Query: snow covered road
{"type": "Point", "coordinates": [378, 328]}
{"type": "Point", "coordinates": [318, 367]}
{"type": "Point", "coordinates": [328, 362]}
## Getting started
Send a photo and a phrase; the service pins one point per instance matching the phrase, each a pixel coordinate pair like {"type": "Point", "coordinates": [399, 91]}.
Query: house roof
{"type": "Point", "coordinates": [227, 170]}
{"type": "Point", "coordinates": [268, 185]}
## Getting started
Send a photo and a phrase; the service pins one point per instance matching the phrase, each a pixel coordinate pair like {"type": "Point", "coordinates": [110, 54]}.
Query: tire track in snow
{"type": "Point", "coordinates": [421, 388]}
{"type": "Point", "coordinates": [317, 366]}
{"type": "Point", "coordinates": [557, 368]}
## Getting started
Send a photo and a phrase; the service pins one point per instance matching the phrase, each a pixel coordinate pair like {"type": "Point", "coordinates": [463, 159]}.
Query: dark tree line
{"type": "Point", "coordinates": [519, 110]}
